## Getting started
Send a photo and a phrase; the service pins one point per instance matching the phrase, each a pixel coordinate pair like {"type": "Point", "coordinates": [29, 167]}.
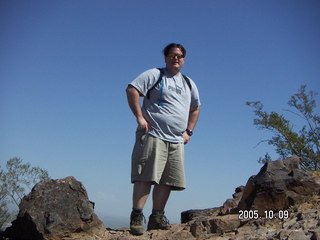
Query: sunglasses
{"type": "Point", "coordinates": [174, 55]}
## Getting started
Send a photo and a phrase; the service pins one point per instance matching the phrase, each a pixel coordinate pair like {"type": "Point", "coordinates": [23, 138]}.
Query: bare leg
{"type": "Point", "coordinates": [160, 196]}
{"type": "Point", "coordinates": [141, 192]}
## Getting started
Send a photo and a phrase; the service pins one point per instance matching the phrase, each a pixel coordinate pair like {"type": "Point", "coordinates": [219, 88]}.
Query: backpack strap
{"type": "Point", "coordinates": [160, 78]}
{"type": "Point", "coordinates": [187, 81]}
{"type": "Point", "coordinates": [156, 84]}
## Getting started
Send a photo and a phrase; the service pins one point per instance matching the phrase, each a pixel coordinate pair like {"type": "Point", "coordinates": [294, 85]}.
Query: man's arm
{"type": "Point", "coordinates": [192, 121]}
{"type": "Point", "coordinates": [133, 96]}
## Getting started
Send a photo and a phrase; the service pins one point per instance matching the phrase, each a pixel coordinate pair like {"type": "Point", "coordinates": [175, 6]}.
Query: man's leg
{"type": "Point", "coordinates": [140, 195]}
{"type": "Point", "coordinates": [141, 192]}
{"type": "Point", "coordinates": [160, 196]}
{"type": "Point", "coordinates": [157, 219]}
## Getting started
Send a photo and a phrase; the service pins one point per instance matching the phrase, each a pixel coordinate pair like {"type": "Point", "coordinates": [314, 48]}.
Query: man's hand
{"type": "Point", "coordinates": [186, 137]}
{"type": "Point", "coordinates": [143, 124]}
{"type": "Point", "coordinates": [133, 96]}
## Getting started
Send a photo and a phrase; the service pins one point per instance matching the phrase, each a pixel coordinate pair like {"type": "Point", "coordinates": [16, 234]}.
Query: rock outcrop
{"type": "Point", "coordinates": [53, 210]}
{"type": "Point", "coordinates": [269, 206]}
{"type": "Point", "coordinates": [278, 185]}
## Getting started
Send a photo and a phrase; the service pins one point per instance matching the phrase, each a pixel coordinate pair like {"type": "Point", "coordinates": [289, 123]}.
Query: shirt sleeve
{"type": "Point", "coordinates": [145, 80]}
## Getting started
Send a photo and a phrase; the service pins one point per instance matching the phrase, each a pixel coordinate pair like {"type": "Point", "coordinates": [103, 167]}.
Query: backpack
{"type": "Point", "coordinates": [160, 78]}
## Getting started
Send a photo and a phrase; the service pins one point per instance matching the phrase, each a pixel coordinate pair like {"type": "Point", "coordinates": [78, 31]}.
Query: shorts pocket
{"type": "Point", "coordinates": [141, 137]}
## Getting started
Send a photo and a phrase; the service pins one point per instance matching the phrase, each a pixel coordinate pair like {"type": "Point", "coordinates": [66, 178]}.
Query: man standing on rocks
{"type": "Point", "coordinates": [166, 120]}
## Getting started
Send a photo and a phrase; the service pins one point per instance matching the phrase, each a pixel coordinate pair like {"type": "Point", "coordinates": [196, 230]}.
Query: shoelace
{"type": "Point", "coordinates": [165, 220]}
{"type": "Point", "coordinates": [136, 220]}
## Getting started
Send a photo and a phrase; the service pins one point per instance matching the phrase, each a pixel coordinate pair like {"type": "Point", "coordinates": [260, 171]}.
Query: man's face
{"type": "Point", "coordinates": [174, 60]}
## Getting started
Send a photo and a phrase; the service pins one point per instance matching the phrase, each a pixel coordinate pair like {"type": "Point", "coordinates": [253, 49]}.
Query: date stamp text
{"type": "Point", "coordinates": [268, 214]}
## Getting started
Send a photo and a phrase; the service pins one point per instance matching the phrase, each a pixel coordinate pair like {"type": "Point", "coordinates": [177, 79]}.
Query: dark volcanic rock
{"type": "Point", "coordinates": [230, 206]}
{"type": "Point", "coordinates": [52, 210]}
{"type": "Point", "coordinates": [189, 215]}
{"type": "Point", "coordinates": [278, 185]}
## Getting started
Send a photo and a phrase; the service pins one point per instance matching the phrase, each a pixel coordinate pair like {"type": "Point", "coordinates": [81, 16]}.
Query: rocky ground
{"type": "Point", "coordinates": [280, 202]}
{"type": "Point", "coordinates": [303, 223]}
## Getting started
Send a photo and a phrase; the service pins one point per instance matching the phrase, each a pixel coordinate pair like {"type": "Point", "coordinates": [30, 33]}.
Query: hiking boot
{"type": "Point", "coordinates": [136, 223]}
{"type": "Point", "coordinates": [158, 221]}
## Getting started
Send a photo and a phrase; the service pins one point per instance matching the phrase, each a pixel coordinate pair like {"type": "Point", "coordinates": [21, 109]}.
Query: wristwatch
{"type": "Point", "coordinates": [189, 132]}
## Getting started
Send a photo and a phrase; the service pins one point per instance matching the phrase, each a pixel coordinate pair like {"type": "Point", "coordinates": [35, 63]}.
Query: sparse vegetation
{"type": "Point", "coordinates": [304, 143]}
{"type": "Point", "coordinates": [15, 180]}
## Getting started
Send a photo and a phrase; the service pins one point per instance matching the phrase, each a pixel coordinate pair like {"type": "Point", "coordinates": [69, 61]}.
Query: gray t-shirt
{"type": "Point", "coordinates": [168, 108]}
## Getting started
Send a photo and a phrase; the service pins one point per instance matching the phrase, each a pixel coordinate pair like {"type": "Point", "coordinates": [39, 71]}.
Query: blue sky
{"type": "Point", "coordinates": [64, 67]}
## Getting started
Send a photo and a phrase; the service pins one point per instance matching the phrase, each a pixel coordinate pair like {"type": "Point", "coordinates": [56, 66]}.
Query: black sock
{"type": "Point", "coordinates": [137, 210]}
{"type": "Point", "coordinates": [157, 212]}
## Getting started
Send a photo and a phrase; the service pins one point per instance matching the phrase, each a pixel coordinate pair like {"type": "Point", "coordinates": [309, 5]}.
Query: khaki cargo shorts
{"type": "Point", "coordinates": [158, 161]}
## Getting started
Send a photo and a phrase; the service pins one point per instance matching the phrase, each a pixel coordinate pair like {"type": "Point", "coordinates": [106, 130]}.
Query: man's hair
{"type": "Point", "coordinates": [177, 45]}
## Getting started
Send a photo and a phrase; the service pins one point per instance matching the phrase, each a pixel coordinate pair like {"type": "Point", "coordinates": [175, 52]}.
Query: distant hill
{"type": "Point", "coordinates": [115, 222]}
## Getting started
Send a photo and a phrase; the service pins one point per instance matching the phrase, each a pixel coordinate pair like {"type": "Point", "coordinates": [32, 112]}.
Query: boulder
{"type": "Point", "coordinates": [279, 185]}
{"type": "Point", "coordinates": [230, 206]}
{"type": "Point", "coordinates": [193, 214]}
{"type": "Point", "coordinates": [53, 210]}
{"type": "Point", "coordinates": [213, 225]}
